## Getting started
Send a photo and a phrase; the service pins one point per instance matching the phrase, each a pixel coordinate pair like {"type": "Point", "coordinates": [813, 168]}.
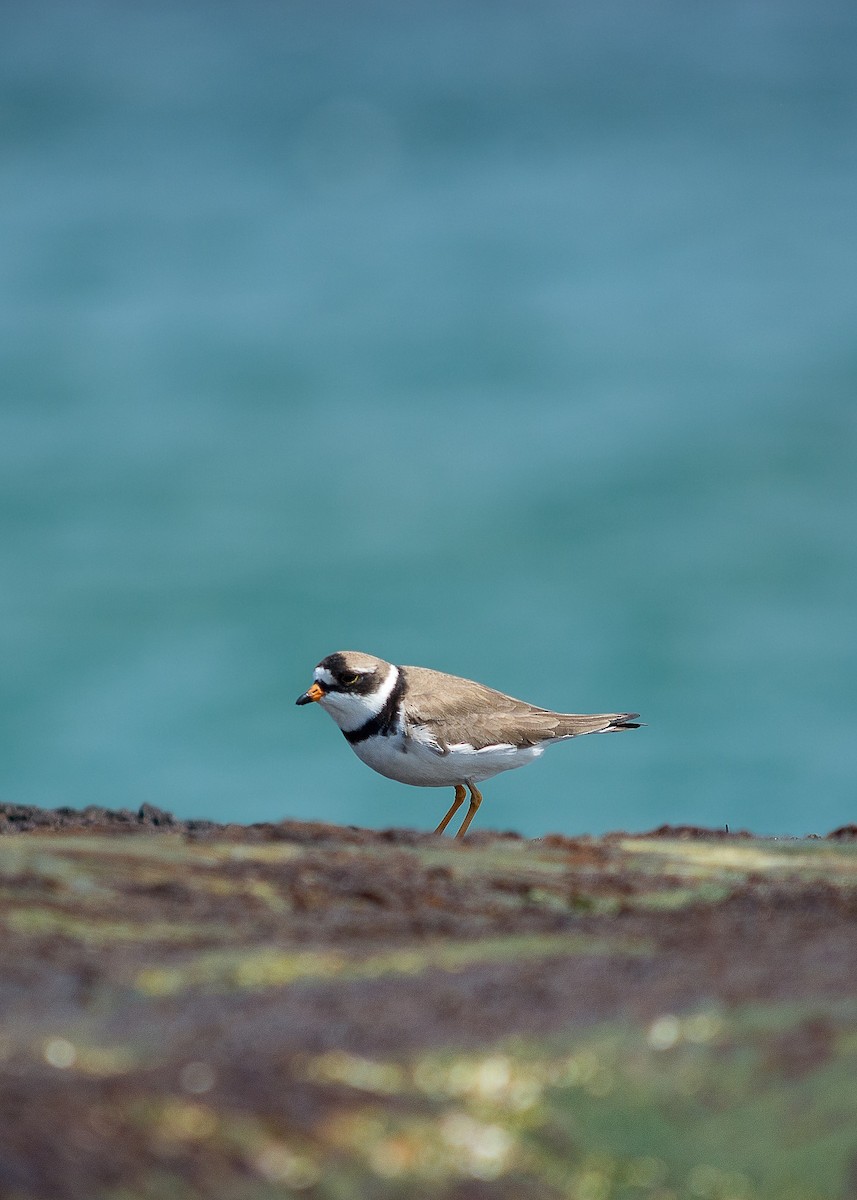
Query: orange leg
{"type": "Point", "coordinates": [460, 793]}
{"type": "Point", "coordinates": [475, 801]}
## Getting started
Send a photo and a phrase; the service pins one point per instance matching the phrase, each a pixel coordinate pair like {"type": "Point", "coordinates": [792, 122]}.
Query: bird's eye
{"type": "Point", "coordinates": [350, 680]}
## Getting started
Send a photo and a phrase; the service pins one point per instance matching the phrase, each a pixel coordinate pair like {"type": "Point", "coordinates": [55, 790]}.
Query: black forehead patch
{"type": "Point", "coordinates": [337, 665]}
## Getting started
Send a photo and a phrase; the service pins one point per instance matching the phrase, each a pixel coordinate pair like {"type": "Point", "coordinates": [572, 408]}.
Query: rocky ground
{"type": "Point", "coordinates": [251, 1012]}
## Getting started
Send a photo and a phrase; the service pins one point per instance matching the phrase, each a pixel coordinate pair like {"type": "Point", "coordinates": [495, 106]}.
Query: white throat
{"type": "Point", "coordinates": [350, 710]}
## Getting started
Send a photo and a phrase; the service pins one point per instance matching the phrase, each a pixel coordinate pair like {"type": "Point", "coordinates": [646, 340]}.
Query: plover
{"type": "Point", "coordinates": [431, 729]}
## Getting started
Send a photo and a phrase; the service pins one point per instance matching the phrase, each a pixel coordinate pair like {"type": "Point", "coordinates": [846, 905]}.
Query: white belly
{"type": "Point", "coordinates": [416, 762]}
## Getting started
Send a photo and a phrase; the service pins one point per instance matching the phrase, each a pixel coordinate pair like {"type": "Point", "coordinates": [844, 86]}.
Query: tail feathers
{"type": "Point", "coordinates": [624, 721]}
{"type": "Point", "coordinates": [575, 724]}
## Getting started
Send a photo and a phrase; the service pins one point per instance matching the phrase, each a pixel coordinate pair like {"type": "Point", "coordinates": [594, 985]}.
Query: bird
{"type": "Point", "coordinates": [431, 729]}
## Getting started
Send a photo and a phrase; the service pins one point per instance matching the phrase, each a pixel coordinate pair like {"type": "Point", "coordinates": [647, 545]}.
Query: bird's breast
{"type": "Point", "coordinates": [410, 758]}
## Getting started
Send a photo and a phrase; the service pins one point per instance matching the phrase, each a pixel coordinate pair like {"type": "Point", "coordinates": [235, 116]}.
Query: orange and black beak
{"type": "Point", "coordinates": [314, 693]}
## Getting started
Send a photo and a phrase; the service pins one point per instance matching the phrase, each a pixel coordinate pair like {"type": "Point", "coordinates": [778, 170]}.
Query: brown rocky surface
{"type": "Point", "coordinates": [190, 1010]}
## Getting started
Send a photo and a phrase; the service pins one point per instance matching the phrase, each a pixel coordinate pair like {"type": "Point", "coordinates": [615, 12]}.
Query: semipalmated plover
{"type": "Point", "coordinates": [435, 730]}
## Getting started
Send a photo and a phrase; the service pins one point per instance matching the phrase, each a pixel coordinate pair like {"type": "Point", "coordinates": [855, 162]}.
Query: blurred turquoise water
{"type": "Point", "coordinates": [517, 341]}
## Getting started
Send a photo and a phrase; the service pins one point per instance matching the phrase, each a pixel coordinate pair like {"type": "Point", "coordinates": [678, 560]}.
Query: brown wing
{"type": "Point", "coordinates": [458, 710]}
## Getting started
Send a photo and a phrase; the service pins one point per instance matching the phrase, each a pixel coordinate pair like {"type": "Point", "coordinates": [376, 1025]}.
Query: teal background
{"type": "Point", "coordinates": [513, 340]}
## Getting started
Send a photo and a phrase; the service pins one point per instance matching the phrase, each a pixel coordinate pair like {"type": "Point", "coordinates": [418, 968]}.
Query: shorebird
{"type": "Point", "coordinates": [431, 729]}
